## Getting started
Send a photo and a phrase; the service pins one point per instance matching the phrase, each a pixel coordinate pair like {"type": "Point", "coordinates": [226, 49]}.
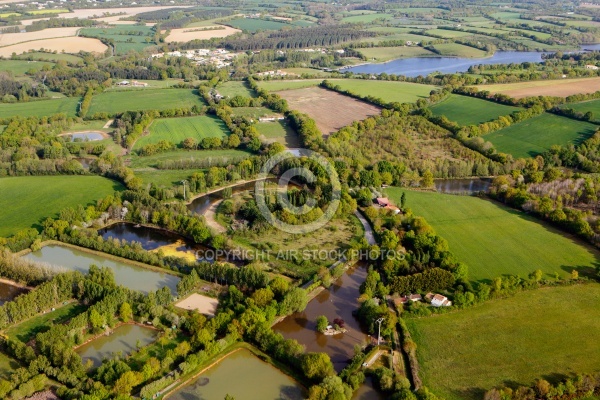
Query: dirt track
{"type": "Point", "coordinates": [330, 110]}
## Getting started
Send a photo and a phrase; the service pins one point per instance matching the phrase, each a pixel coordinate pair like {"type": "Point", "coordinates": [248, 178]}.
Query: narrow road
{"type": "Point", "coordinates": [369, 234]}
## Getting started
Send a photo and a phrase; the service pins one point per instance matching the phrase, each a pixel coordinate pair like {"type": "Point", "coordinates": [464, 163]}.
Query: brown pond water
{"type": "Point", "coordinates": [367, 391]}
{"type": "Point", "coordinates": [339, 301]}
{"type": "Point", "coordinates": [8, 292]}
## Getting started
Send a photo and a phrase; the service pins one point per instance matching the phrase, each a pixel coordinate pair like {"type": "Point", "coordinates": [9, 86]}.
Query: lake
{"type": "Point", "coordinates": [123, 339]}
{"type": "Point", "coordinates": [245, 377]}
{"type": "Point", "coordinates": [85, 136]}
{"type": "Point", "coordinates": [339, 301]}
{"type": "Point", "coordinates": [128, 275]}
{"type": "Point", "coordinates": [462, 186]}
{"type": "Point", "coordinates": [413, 67]}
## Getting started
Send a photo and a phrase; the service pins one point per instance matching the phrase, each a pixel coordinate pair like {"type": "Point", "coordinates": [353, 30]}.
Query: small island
{"type": "Point", "coordinates": [325, 328]}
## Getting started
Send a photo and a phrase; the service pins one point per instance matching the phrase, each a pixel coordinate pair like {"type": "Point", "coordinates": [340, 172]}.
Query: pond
{"type": "Point", "coordinates": [85, 136]}
{"type": "Point", "coordinates": [123, 339]}
{"type": "Point", "coordinates": [131, 276]}
{"type": "Point", "coordinates": [462, 186]}
{"type": "Point", "coordinates": [367, 391]}
{"type": "Point", "coordinates": [245, 377]}
{"type": "Point", "coordinates": [171, 244]}
{"type": "Point", "coordinates": [8, 292]}
{"type": "Point", "coordinates": [339, 301]}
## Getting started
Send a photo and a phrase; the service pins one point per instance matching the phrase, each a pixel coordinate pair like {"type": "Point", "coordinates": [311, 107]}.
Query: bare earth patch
{"type": "Point", "coordinates": [68, 45]}
{"type": "Point", "coordinates": [330, 110]}
{"type": "Point", "coordinates": [560, 88]}
{"type": "Point", "coordinates": [187, 34]}
{"type": "Point", "coordinates": [7, 39]}
{"type": "Point", "coordinates": [203, 304]}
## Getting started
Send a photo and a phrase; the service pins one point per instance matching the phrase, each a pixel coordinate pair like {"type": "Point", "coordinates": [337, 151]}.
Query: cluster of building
{"type": "Point", "coordinates": [436, 300]}
{"type": "Point", "coordinates": [132, 84]}
{"type": "Point", "coordinates": [219, 57]}
{"type": "Point", "coordinates": [384, 202]}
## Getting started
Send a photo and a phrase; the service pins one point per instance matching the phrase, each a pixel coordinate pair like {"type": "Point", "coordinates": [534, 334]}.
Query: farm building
{"type": "Point", "coordinates": [440, 301]}
{"type": "Point", "coordinates": [383, 201]}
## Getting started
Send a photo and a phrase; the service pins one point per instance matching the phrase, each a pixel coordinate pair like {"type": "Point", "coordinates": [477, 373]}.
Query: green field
{"type": "Point", "coordinates": [536, 135]}
{"type": "Point", "coordinates": [176, 130]}
{"type": "Point", "coordinates": [40, 108]}
{"type": "Point", "coordinates": [459, 50]}
{"type": "Point", "coordinates": [152, 161]}
{"type": "Point", "coordinates": [27, 201]}
{"type": "Point", "coordinates": [366, 18]}
{"type": "Point", "coordinates": [165, 178]}
{"type": "Point", "coordinates": [277, 85]}
{"type": "Point", "coordinates": [39, 55]}
{"type": "Point", "coordinates": [235, 88]}
{"type": "Point", "coordinates": [466, 110]}
{"type": "Point", "coordinates": [447, 33]}
{"type": "Point", "coordinates": [494, 240]}
{"type": "Point", "coordinates": [252, 112]}
{"type": "Point", "coordinates": [592, 106]}
{"type": "Point", "coordinates": [145, 99]}
{"type": "Point", "coordinates": [254, 24]}
{"type": "Point", "coordinates": [392, 53]}
{"type": "Point", "coordinates": [279, 131]}
{"type": "Point", "coordinates": [307, 71]}
{"type": "Point", "coordinates": [27, 329]}
{"type": "Point", "coordinates": [401, 92]}
{"type": "Point", "coordinates": [546, 333]}
{"type": "Point", "coordinates": [124, 37]}
{"type": "Point", "coordinates": [20, 67]}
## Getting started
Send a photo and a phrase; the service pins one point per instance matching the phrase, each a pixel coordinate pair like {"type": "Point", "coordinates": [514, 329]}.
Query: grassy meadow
{"type": "Point", "coordinates": [7, 366]}
{"type": "Point", "coordinates": [279, 131]}
{"type": "Point", "coordinates": [176, 130]}
{"type": "Point", "coordinates": [277, 85]}
{"type": "Point", "coordinates": [466, 110]}
{"type": "Point", "coordinates": [165, 178]}
{"type": "Point", "coordinates": [510, 341]}
{"type": "Point", "coordinates": [391, 53]}
{"type": "Point", "coordinates": [592, 106]}
{"type": "Point", "coordinates": [152, 161]}
{"type": "Point", "coordinates": [235, 88]}
{"type": "Point", "coordinates": [145, 99]}
{"type": "Point", "coordinates": [536, 135]}
{"type": "Point", "coordinates": [27, 201]}
{"type": "Point", "coordinates": [402, 92]}
{"type": "Point", "coordinates": [21, 67]}
{"type": "Point", "coordinates": [40, 108]}
{"type": "Point", "coordinates": [459, 50]}
{"type": "Point", "coordinates": [124, 37]}
{"type": "Point", "coordinates": [40, 55]}
{"type": "Point", "coordinates": [254, 24]}
{"type": "Point", "coordinates": [494, 240]}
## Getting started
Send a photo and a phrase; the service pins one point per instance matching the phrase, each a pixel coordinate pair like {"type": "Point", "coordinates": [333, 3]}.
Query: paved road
{"type": "Point", "coordinates": [369, 234]}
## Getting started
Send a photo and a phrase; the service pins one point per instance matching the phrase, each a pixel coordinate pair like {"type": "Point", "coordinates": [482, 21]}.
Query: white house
{"type": "Point", "coordinates": [440, 301]}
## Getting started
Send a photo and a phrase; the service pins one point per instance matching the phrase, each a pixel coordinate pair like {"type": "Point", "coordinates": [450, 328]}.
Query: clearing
{"type": "Point", "coordinates": [560, 88]}
{"type": "Point", "coordinates": [536, 135]}
{"type": "Point", "coordinates": [176, 130]}
{"type": "Point", "coordinates": [330, 110]}
{"type": "Point", "coordinates": [466, 110]}
{"type": "Point", "coordinates": [21, 67]}
{"type": "Point", "coordinates": [494, 240]}
{"type": "Point", "coordinates": [203, 304]}
{"type": "Point", "coordinates": [279, 131]}
{"type": "Point", "coordinates": [27, 201]}
{"type": "Point", "coordinates": [115, 102]}
{"type": "Point", "coordinates": [535, 334]}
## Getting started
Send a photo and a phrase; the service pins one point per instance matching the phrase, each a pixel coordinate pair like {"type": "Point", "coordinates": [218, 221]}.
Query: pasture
{"type": "Point", "coordinates": [124, 37]}
{"type": "Point", "coordinates": [255, 24]}
{"type": "Point", "coordinates": [447, 33]}
{"type": "Point", "coordinates": [466, 110]}
{"type": "Point", "coordinates": [279, 131]}
{"type": "Point", "coordinates": [458, 50]}
{"type": "Point", "coordinates": [494, 240]}
{"type": "Point", "coordinates": [252, 112]}
{"type": "Point", "coordinates": [402, 92]}
{"type": "Point", "coordinates": [218, 157]}
{"type": "Point", "coordinates": [22, 67]}
{"type": "Point", "coordinates": [176, 130]}
{"type": "Point", "coordinates": [366, 18]}
{"type": "Point", "coordinates": [235, 88]}
{"type": "Point", "coordinates": [392, 53]}
{"type": "Point", "coordinates": [592, 106]}
{"type": "Point", "coordinates": [514, 340]}
{"type": "Point", "coordinates": [27, 201]}
{"type": "Point", "coordinates": [330, 110]}
{"type": "Point", "coordinates": [560, 88]}
{"type": "Point", "coordinates": [536, 135]}
{"type": "Point", "coordinates": [40, 108]}
{"type": "Point", "coordinates": [115, 102]}
{"type": "Point", "coordinates": [278, 85]}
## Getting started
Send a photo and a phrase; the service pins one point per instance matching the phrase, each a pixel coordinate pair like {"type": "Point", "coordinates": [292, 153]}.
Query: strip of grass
{"type": "Point", "coordinates": [536, 135]}
{"type": "Point", "coordinates": [467, 110]}
{"type": "Point", "coordinates": [592, 106]}
{"type": "Point", "coordinates": [144, 99]}
{"type": "Point", "coordinates": [459, 50]}
{"type": "Point", "coordinates": [254, 24]}
{"type": "Point", "coordinates": [26, 330]}
{"type": "Point", "coordinates": [20, 67]}
{"type": "Point", "coordinates": [7, 366]}
{"type": "Point", "coordinates": [152, 161]}
{"type": "Point", "coordinates": [235, 88]}
{"type": "Point", "coordinates": [39, 55]}
{"type": "Point", "coordinates": [176, 130]}
{"type": "Point", "coordinates": [366, 18]}
{"type": "Point", "coordinates": [392, 53]}
{"type": "Point", "coordinates": [279, 131]}
{"type": "Point", "coordinates": [494, 240]}
{"type": "Point", "coordinates": [545, 333]}
{"type": "Point", "coordinates": [165, 178]}
{"type": "Point", "coordinates": [40, 108]}
{"type": "Point", "coordinates": [275, 86]}
{"type": "Point", "coordinates": [27, 201]}
{"type": "Point", "coordinates": [401, 92]}
{"type": "Point", "coordinates": [447, 33]}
